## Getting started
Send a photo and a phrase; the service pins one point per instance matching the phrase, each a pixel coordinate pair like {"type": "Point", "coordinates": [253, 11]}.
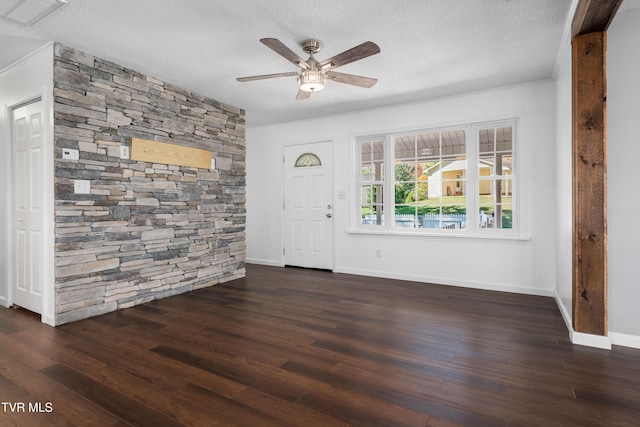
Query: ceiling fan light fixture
{"type": "Point", "coordinates": [311, 81]}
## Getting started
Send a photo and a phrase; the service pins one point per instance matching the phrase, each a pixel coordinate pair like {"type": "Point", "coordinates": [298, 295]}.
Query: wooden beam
{"type": "Point", "coordinates": [169, 154]}
{"type": "Point", "coordinates": [593, 16]}
{"type": "Point", "coordinates": [589, 184]}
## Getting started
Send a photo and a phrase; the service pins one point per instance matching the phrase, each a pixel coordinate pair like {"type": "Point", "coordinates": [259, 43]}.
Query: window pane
{"type": "Point", "coordinates": [373, 215]}
{"type": "Point", "coordinates": [406, 216]}
{"type": "Point", "coordinates": [446, 217]}
{"type": "Point", "coordinates": [428, 147]}
{"type": "Point", "coordinates": [404, 148]}
{"type": "Point", "coordinates": [404, 193]}
{"type": "Point", "coordinates": [372, 160]}
{"type": "Point", "coordinates": [307, 160]}
{"type": "Point", "coordinates": [371, 195]}
{"type": "Point", "coordinates": [497, 216]}
{"type": "Point", "coordinates": [486, 165]}
{"type": "Point", "coordinates": [486, 216]}
{"type": "Point", "coordinates": [454, 143]}
{"type": "Point", "coordinates": [496, 206]}
{"type": "Point", "coordinates": [372, 172]}
{"type": "Point", "coordinates": [454, 217]}
{"type": "Point", "coordinates": [495, 175]}
{"type": "Point", "coordinates": [487, 141]}
{"type": "Point", "coordinates": [496, 149]}
{"type": "Point", "coordinates": [504, 139]}
{"type": "Point", "coordinates": [405, 182]}
{"type": "Point", "coordinates": [504, 164]}
{"type": "Point", "coordinates": [371, 204]}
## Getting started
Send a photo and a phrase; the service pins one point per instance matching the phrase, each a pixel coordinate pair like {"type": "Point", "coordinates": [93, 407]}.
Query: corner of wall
{"type": "Point", "coordinates": [564, 311]}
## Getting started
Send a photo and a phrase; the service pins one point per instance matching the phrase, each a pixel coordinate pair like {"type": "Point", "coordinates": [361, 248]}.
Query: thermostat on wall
{"type": "Point", "coordinates": [70, 154]}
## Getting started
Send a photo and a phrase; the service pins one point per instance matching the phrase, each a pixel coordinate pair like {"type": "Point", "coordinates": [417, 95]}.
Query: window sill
{"type": "Point", "coordinates": [435, 234]}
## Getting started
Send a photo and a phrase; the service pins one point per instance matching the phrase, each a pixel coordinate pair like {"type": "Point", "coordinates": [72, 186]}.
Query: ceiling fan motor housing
{"type": "Point", "coordinates": [311, 46]}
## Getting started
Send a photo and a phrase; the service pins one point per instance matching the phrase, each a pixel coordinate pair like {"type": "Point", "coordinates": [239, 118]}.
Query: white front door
{"type": "Point", "coordinates": [28, 199]}
{"type": "Point", "coordinates": [308, 206]}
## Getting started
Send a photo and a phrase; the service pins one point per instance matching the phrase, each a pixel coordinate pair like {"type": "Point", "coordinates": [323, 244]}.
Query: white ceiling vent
{"type": "Point", "coordinates": [28, 12]}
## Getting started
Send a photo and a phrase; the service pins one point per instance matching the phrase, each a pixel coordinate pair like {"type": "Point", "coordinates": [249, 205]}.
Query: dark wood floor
{"type": "Point", "coordinates": [294, 347]}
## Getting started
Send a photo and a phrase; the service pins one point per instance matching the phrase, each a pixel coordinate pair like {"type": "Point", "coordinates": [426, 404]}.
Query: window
{"type": "Point", "coordinates": [307, 160]}
{"type": "Point", "coordinates": [371, 181]}
{"type": "Point", "coordinates": [430, 181]}
{"type": "Point", "coordinates": [495, 177]}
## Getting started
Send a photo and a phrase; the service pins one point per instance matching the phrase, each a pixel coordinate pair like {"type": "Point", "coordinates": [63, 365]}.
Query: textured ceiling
{"type": "Point", "coordinates": [428, 48]}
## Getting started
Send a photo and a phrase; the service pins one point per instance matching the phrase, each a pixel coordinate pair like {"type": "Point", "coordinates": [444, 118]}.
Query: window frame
{"type": "Point", "coordinates": [471, 180]}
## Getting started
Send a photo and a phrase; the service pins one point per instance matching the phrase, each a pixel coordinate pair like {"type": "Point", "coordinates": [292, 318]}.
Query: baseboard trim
{"type": "Point", "coordinates": [448, 282]}
{"type": "Point", "coordinates": [268, 262]}
{"type": "Point", "coordinates": [579, 338]}
{"type": "Point", "coordinates": [598, 341]}
{"type": "Point", "coordinates": [625, 340]}
{"type": "Point", "coordinates": [48, 320]}
{"type": "Point", "coordinates": [564, 312]}
{"type": "Point", "coordinates": [590, 340]}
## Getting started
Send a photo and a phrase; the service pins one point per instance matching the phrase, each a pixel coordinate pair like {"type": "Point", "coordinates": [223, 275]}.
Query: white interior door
{"type": "Point", "coordinates": [28, 199]}
{"type": "Point", "coordinates": [308, 206]}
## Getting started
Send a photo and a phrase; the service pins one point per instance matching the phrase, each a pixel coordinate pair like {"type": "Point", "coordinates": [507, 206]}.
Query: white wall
{"type": "Point", "coordinates": [526, 266]}
{"type": "Point", "coordinates": [564, 180]}
{"type": "Point", "coordinates": [623, 152]}
{"type": "Point", "coordinates": [26, 80]}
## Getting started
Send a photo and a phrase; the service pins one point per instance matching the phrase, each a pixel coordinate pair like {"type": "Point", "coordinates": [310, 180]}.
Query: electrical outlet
{"type": "Point", "coordinates": [82, 186]}
{"type": "Point", "coordinates": [124, 152]}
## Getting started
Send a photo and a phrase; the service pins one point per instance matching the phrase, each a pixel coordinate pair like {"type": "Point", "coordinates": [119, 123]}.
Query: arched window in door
{"type": "Point", "coordinates": [306, 160]}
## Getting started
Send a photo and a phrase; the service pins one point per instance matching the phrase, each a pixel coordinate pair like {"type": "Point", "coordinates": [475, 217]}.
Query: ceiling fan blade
{"type": "Point", "coordinates": [282, 50]}
{"type": "Point", "coordinates": [351, 79]}
{"type": "Point", "coordinates": [266, 76]}
{"type": "Point", "coordinates": [302, 95]}
{"type": "Point", "coordinates": [355, 53]}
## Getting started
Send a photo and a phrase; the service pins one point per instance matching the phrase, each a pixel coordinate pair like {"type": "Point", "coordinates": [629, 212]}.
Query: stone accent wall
{"type": "Point", "coordinates": [145, 231]}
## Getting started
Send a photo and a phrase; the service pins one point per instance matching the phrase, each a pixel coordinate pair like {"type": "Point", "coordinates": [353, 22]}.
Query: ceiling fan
{"type": "Point", "coordinates": [313, 74]}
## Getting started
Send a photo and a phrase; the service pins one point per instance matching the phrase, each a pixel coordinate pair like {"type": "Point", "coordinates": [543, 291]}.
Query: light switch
{"type": "Point", "coordinates": [82, 186]}
{"type": "Point", "coordinates": [213, 164]}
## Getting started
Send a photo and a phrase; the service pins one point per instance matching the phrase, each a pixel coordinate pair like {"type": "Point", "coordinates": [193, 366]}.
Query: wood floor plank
{"type": "Point", "coordinates": [293, 347]}
{"type": "Point", "coordinates": [20, 351]}
{"type": "Point", "coordinates": [122, 405]}
{"type": "Point", "coordinates": [37, 387]}
{"type": "Point", "coordinates": [286, 412]}
{"type": "Point", "coordinates": [248, 373]}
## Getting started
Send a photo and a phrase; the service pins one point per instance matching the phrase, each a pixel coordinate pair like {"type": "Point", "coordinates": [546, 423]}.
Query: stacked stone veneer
{"type": "Point", "coordinates": [145, 231]}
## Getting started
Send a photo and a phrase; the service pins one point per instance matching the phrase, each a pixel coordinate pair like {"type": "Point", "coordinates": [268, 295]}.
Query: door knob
{"type": "Point", "coordinates": [328, 215]}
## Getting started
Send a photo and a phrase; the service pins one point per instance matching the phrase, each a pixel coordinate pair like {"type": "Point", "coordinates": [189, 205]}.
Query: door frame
{"type": "Point", "coordinates": [48, 266]}
{"type": "Point", "coordinates": [334, 210]}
